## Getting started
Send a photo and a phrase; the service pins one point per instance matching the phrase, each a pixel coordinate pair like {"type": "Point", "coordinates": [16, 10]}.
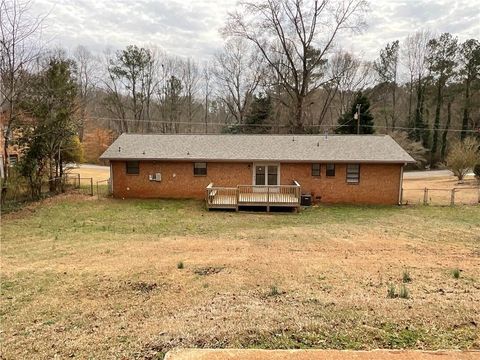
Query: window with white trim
{"type": "Point", "coordinates": [353, 173]}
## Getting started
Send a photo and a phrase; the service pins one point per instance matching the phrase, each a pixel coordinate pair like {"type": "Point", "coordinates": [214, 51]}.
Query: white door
{"type": "Point", "coordinates": [266, 174]}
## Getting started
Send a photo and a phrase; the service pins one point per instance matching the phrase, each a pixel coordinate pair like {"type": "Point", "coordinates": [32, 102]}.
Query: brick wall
{"type": "Point", "coordinates": [178, 180]}
{"type": "Point", "coordinates": [379, 183]}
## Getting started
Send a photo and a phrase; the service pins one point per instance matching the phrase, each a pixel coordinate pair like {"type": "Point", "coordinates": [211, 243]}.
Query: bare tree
{"type": "Point", "coordinates": [207, 77]}
{"type": "Point", "coordinates": [238, 72]}
{"type": "Point", "coordinates": [20, 47]}
{"type": "Point", "coordinates": [191, 82]}
{"type": "Point", "coordinates": [349, 75]}
{"type": "Point", "coordinates": [414, 54]}
{"type": "Point", "coordinates": [295, 37]}
{"type": "Point", "coordinates": [414, 57]}
{"type": "Point", "coordinates": [386, 67]}
{"type": "Point", "coordinates": [463, 156]}
{"type": "Point", "coordinates": [86, 71]}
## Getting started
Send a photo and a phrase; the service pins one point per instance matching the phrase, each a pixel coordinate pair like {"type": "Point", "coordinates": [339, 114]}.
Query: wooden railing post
{"type": "Point", "coordinates": [425, 196]}
{"type": "Point", "coordinates": [268, 198]}
{"type": "Point", "coordinates": [452, 197]}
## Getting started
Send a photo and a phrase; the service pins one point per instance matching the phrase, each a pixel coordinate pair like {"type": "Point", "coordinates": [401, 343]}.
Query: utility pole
{"type": "Point", "coordinates": [357, 117]}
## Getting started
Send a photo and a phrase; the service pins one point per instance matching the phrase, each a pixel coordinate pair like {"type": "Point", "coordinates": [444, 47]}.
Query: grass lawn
{"type": "Point", "coordinates": [132, 279]}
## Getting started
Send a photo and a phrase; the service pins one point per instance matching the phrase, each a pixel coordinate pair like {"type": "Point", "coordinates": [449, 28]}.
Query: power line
{"type": "Point", "coordinates": [268, 125]}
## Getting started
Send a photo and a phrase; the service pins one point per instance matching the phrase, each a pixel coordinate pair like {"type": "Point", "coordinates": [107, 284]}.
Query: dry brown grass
{"type": "Point", "coordinates": [97, 173]}
{"type": "Point", "coordinates": [99, 279]}
{"type": "Point", "coordinates": [440, 190]}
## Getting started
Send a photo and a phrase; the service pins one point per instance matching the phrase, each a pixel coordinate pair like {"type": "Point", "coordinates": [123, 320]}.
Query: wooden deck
{"type": "Point", "coordinates": [252, 195]}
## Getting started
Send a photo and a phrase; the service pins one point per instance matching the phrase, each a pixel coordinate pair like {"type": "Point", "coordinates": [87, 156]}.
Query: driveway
{"type": "Point", "coordinates": [252, 354]}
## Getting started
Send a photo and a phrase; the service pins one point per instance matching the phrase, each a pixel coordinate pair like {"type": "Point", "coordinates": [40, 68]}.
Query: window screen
{"type": "Point", "coordinates": [315, 169]}
{"type": "Point", "coordinates": [353, 173]}
{"type": "Point", "coordinates": [200, 169]}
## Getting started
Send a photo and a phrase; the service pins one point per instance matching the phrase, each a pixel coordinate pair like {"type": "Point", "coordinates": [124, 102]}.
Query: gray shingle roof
{"type": "Point", "coordinates": [295, 148]}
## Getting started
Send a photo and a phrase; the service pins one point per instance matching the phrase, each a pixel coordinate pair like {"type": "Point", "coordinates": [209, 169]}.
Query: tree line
{"type": "Point", "coordinates": [281, 69]}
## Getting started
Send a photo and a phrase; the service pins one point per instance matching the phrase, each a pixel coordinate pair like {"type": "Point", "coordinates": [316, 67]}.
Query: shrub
{"type": "Point", "coordinates": [273, 291]}
{"type": "Point", "coordinates": [456, 273]}
{"type": "Point", "coordinates": [462, 157]}
{"type": "Point", "coordinates": [180, 265]}
{"type": "Point", "coordinates": [476, 171]}
{"type": "Point", "coordinates": [391, 292]}
{"type": "Point", "coordinates": [406, 277]}
{"type": "Point", "coordinates": [403, 294]}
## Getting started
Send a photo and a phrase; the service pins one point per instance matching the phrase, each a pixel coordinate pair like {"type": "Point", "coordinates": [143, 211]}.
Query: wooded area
{"type": "Point", "coordinates": [281, 70]}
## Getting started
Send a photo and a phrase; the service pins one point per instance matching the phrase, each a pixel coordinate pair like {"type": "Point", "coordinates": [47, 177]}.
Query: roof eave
{"type": "Point", "coordinates": [362, 161]}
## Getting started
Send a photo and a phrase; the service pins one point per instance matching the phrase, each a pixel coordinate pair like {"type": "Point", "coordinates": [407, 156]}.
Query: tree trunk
{"type": "Point", "coordinates": [445, 132]}
{"type": "Point", "coordinates": [466, 111]}
{"type": "Point", "coordinates": [298, 127]}
{"type": "Point", "coordinates": [394, 102]}
{"type": "Point", "coordinates": [410, 101]}
{"type": "Point", "coordinates": [436, 125]}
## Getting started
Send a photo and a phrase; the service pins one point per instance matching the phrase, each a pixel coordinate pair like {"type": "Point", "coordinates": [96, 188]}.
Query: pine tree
{"type": "Point", "coordinates": [348, 124]}
{"type": "Point", "coordinates": [258, 116]}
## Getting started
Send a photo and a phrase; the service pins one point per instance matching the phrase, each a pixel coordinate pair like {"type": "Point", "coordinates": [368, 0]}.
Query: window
{"type": "Point", "coordinates": [12, 159]}
{"type": "Point", "coordinates": [353, 173]}
{"type": "Point", "coordinates": [200, 169]}
{"type": "Point", "coordinates": [133, 167]}
{"type": "Point", "coordinates": [260, 175]}
{"type": "Point", "coordinates": [272, 175]}
{"type": "Point", "coordinates": [330, 169]}
{"type": "Point", "coordinates": [315, 169]}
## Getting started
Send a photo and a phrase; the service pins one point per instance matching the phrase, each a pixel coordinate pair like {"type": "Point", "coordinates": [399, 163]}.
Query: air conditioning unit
{"type": "Point", "coordinates": [155, 177]}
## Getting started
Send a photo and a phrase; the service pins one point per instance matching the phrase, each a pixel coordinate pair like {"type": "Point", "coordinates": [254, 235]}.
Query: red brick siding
{"type": "Point", "coordinates": [379, 183]}
{"type": "Point", "coordinates": [178, 180]}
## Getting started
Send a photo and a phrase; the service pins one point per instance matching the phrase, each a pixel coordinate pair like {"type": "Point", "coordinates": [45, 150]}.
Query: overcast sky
{"type": "Point", "coordinates": [190, 27]}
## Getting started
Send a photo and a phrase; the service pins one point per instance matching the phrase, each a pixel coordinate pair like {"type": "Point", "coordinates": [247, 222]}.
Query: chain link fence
{"type": "Point", "coordinates": [19, 191]}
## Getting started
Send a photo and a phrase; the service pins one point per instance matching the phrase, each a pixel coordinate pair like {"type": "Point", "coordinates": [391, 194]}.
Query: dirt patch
{"type": "Point", "coordinates": [209, 270]}
{"type": "Point", "coordinates": [142, 287]}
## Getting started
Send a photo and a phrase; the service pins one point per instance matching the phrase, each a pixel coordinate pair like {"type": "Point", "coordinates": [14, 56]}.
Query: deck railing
{"type": "Point", "coordinates": [253, 195]}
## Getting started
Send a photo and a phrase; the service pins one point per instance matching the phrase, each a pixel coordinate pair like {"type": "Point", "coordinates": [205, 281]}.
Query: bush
{"type": "Point", "coordinates": [273, 291]}
{"type": "Point", "coordinates": [403, 294]}
{"type": "Point", "coordinates": [406, 277]}
{"type": "Point", "coordinates": [180, 265]}
{"type": "Point", "coordinates": [456, 273]}
{"type": "Point", "coordinates": [462, 157]}
{"type": "Point", "coordinates": [476, 171]}
{"type": "Point", "coordinates": [391, 292]}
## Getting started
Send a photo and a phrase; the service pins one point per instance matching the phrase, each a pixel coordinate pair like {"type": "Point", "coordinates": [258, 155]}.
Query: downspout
{"type": "Point", "coordinates": [400, 190]}
{"type": "Point", "coordinates": [111, 179]}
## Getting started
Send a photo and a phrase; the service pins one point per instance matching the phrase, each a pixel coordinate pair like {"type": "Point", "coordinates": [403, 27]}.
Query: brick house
{"type": "Point", "coordinates": [231, 171]}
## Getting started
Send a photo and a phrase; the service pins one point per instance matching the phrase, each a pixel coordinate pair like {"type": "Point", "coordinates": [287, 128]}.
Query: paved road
{"type": "Point", "coordinates": [90, 166]}
{"type": "Point", "coordinates": [233, 354]}
{"type": "Point", "coordinates": [427, 174]}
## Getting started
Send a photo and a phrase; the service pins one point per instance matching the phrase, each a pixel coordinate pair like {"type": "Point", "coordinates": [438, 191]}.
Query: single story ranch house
{"type": "Point", "coordinates": [231, 171]}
